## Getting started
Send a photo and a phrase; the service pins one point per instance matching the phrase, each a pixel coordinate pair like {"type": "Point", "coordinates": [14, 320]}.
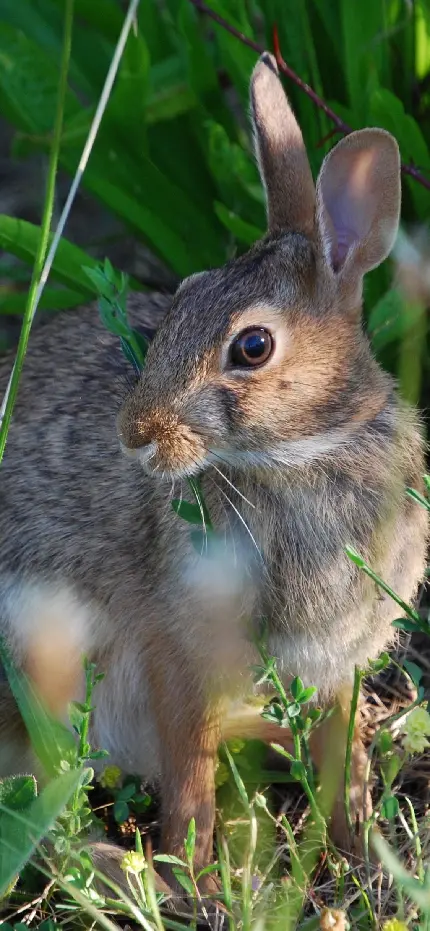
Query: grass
{"type": "Point", "coordinates": [275, 863]}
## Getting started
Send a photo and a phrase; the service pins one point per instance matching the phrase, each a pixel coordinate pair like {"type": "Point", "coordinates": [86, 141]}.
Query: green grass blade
{"type": "Point", "coordinates": [46, 223]}
{"type": "Point", "coordinates": [22, 239]}
{"type": "Point", "coordinates": [21, 833]}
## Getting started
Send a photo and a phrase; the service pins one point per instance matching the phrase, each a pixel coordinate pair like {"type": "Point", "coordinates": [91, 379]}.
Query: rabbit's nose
{"type": "Point", "coordinates": [158, 439]}
{"type": "Point", "coordinates": [138, 428]}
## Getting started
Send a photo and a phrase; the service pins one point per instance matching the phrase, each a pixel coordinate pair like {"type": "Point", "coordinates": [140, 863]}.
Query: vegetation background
{"type": "Point", "coordinates": [171, 187]}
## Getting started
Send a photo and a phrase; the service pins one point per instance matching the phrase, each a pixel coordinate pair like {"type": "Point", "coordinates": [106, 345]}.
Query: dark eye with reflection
{"type": "Point", "coordinates": [253, 347]}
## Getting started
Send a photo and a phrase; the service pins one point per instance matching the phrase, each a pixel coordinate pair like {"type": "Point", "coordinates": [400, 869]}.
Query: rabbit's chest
{"type": "Point", "coordinates": [305, 579]}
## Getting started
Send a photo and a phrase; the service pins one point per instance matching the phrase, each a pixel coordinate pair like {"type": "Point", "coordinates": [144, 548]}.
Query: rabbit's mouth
{"type": "Point", "coordinates": [154, 463]}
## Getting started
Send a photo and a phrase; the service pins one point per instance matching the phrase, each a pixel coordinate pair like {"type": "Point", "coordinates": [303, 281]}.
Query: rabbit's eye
{"type": "Point", "coordinates": [253, 347]}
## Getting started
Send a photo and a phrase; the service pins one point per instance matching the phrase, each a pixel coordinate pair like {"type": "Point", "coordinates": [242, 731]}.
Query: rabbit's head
{"type": "Point", "coordinates": [263, 361]}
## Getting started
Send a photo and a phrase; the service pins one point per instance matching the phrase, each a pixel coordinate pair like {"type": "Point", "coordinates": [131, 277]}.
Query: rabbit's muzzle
{"type": "Point", "coordinates": [161, 442]}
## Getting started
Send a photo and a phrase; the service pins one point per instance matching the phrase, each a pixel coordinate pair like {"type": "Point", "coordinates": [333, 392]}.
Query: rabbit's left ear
{"type": "Point", "coordinates": [358, 201]}
{"type": "Point", "coordinates": [281, 153]}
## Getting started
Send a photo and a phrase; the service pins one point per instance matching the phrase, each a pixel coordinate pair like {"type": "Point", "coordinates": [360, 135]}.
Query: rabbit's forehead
{"type": "Point", "coordinates": [275, 274]}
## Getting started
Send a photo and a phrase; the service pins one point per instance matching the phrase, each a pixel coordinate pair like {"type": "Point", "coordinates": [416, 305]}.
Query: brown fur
{"type": "Point", "coordinates": [315, 450]}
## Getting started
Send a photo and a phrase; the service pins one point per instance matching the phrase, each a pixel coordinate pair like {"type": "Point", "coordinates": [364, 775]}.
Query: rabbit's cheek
{"type": "Point", "coordinates": [180, 451]}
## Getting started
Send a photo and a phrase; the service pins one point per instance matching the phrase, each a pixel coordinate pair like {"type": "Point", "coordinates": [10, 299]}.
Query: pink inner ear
{"type": "Point", "coordinates": [346, 238]}
{"type": "Point", "coordinates": [348, 204]}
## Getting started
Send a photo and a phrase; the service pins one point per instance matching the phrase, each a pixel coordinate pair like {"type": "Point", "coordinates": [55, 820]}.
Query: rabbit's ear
{"type": "Point", "coordinates": [358, 201]}
{"type": "Point", "coordinates": [283, 163]}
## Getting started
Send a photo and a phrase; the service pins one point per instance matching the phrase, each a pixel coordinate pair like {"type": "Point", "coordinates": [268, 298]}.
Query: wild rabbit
{"type": "Point", "coordinates": [261, 380]}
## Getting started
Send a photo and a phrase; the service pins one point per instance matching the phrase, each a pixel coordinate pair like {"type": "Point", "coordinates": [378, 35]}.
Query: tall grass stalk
{"type": "Point", "coordinates": [32, 299]}
{"type": "Point", "coordinates": [358, 676]}
{"type": "Point", "coordinates": [42, 268]}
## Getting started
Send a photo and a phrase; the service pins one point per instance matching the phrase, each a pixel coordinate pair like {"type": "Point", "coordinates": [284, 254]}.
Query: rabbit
{"type": "Point", "coordinates": [261, 381]}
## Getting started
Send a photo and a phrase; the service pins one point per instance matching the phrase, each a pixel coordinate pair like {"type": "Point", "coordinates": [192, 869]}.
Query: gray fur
{"type": "Point", "coordinates": [318, 462]}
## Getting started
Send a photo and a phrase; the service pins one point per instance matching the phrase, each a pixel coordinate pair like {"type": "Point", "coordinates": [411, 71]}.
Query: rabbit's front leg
{"type": "Point", "coordinates": [188, 726]}
{"type": "Point", "coordinates": [328, 748]}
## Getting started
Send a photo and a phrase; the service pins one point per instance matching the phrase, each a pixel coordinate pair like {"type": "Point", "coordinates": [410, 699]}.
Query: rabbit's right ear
{"type": "Point", "coordinates": [282, 159]}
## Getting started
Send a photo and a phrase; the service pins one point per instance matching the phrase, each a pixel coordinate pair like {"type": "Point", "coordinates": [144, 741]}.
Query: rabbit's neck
{"type": "Point", "coordinates": [294, 533]}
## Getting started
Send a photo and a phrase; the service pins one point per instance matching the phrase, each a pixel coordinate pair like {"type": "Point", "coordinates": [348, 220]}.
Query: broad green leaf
{"type": "Point", "coordinates": [168, 858]}
{"type": "Point", "coordinates": [184, 880]}
{"type": "Point", "coordinates": [244, 232]}
{"type": "Point", "coordinates": [416, 496]}
{"type": "Point", "coordinates": [75, 132]}
{"type": "Point", "coordinates": [126, 792]}
{"type": "Point", "coordinates": [298, 770]}
{"type": "Point", "coordinates": [422, 38]}
{"type": "Point", "coordinates": [178, 155]}
{"type": "Point", "coordinates": [140, 194]}
{"type": "Point", "coordinates": [158, 211]}
{"type": "Point", "coordinates": [51, 741]}
{"type": "Point", "coordinates": [327, 21]}
{"type": "Point", "coordinates": [169, 93]}
{"type": "Point", "coordinates": [385, 741]}
{"type": "Point", "coordinates": [201, 72]}
{"type": "Point", "coordinates": [417, 891]}
{"type": "Point", "coordinates": [153, 26]}
{"type": "Point", "coordinates": [41, 21]}
{"type": "Point", "coordinates": [21, 833]}
{"type": "Point", "coordinates": [21, 238]}
{"type": "Point", "coordinates": [390, 808]}
{"type": "Point", "coordinates": [168, 103]}
{"type": "Point", "coordinates": [128, 99]}
{"type": "Point", "coordinates": [307, 694]}
{"type": "Point", "coordinates": [232, 166]}
{"type": "Point", "coordinates": [240, 785]}
{"type": "Point", "coordinates": [387, 111]}
{"type": "Point", "coordinates": [235, 57]}
{"type": "Point", "coordinates": [403, 623]}
{"type": "Point", "coordinates": [414, 671]}
{"type": "Point", "coordinates": [29, 83]}
{"type": "Point", "coordinates": [296, 687]}
{"type": "Point", "coordinates": [187, 510]}
{"type": "Point", "coordinates": [14, 302]}
{"type": "Point", "coordinates": [190, 841]}
{"type": "Point", "coordinates": [201, 69]}
{"type": "Point", "coordinates": [391, 319]}
{"type": "Point", "coordinates": [297, 43]}
{"type": "Point", "coordinates": [104, 17]}
{"type": "Point", "coordinates": [121, 811]}
{"type": "Point", "coordinates": [17, 792]}
{"type": "Point", "coordinates": [365, 57]}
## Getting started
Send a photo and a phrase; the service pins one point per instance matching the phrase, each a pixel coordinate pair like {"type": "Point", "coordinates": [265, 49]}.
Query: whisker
{"type": "Point", "coordinates": [242, 519]}
{"type": "Point", "coordinates": [231, 483]}
{"type": "Point", "coordinates": [227, 515]}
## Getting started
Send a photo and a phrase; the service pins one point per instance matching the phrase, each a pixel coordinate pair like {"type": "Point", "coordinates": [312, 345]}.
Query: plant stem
{"type": "Point", "coordinates": [341, 126]}
{"type": "Point", "coordinates": [362, 564]}
{"type": "Point", "coordinates": [358, 675]}
{"type": "Point", "coordinates": [418, 847]}
{"type": "Point", "coordinates": [45, 228]}
{"type": "Point", "coordinates": [42, 278]}
{"type": "Point", "coordinates": [274, 678]}
{"type": "Point", "coordinates": [83, 736]}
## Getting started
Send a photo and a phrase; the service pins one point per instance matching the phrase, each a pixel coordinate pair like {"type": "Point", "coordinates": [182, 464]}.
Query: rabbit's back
{"type": "Point", "coordinates": [67, 491]}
